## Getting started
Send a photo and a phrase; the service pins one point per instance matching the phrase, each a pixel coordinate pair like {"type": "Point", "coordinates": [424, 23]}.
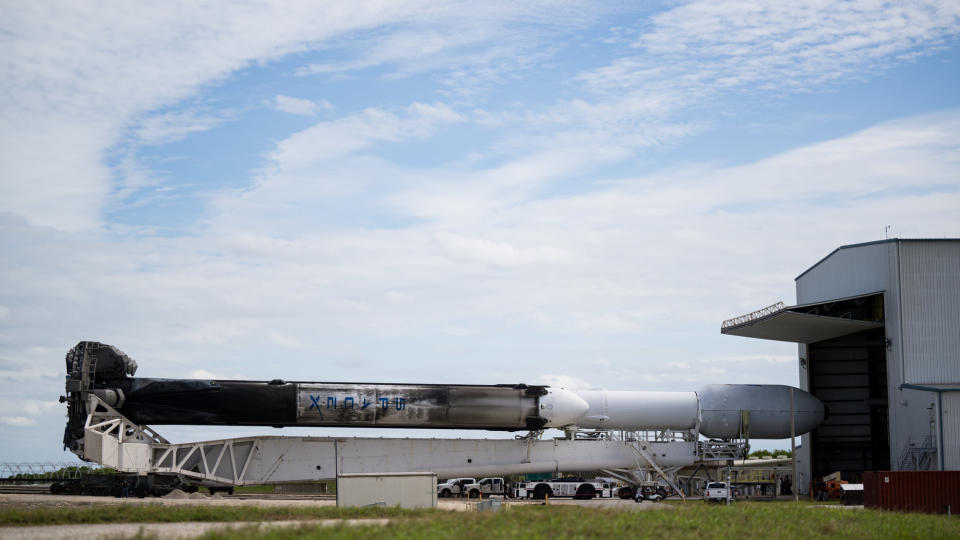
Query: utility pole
{"type": "Point", "coordinates": [793, 449]}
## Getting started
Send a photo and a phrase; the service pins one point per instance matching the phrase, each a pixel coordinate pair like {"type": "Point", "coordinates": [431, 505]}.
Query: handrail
{"type": "Point", "coordinates": [750, 317]}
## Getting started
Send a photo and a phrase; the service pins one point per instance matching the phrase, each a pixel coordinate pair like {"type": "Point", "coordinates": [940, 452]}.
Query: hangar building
{"type": "Point", "coordinates": [878, 328]}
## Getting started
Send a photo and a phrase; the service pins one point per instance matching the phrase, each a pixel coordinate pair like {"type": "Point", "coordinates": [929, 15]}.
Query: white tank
{"type": "Point", "coordinates": [639, 410]}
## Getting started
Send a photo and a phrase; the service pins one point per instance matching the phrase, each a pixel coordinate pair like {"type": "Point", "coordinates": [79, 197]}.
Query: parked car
{"type": "Point", "coordinates": [717, 492]}
{"type": "Point", "coordinates": [457, 487]}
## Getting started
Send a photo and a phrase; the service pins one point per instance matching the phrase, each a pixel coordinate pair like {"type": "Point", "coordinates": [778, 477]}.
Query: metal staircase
{"type": "Point", "coordinates": [917, 457]}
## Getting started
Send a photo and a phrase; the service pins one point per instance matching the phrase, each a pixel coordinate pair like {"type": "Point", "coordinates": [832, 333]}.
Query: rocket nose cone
{"type": "Point", "coordinates": [562, 407]}
{"type": "Point", "coordinates": [767, 407]}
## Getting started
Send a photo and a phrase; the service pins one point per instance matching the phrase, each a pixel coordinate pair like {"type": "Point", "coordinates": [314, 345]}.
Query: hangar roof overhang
{"type": "Point", "coordinates": [805, 323]}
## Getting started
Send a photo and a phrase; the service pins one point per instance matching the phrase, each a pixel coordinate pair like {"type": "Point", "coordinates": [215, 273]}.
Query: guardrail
{"type": "Point", "coordinates": [750, 317]}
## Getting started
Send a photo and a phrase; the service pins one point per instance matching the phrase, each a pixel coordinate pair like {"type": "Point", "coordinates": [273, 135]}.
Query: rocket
{"type": "Point", "coordinates": [715, 411]}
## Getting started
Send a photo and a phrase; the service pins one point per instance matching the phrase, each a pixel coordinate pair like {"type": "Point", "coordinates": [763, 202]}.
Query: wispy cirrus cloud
{"type": "Point", "coordinates": [699, 48]}
{"type": "Point", "coordinates": [167, 127]}
{"type": "Point", "coordinates": [300, 106]}
{"type": "Point", "coordinates": [75, 79]}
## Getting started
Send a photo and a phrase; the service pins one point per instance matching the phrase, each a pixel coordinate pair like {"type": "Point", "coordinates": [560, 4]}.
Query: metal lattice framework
{"type": "Point", "coordinates": [750, 317]}
{"type": "Point", "coordinates": [720, 450]}
{"type": "Point", "coordinates": [40, 472]}
{"type": "Point", "coordinates": [226, 461]}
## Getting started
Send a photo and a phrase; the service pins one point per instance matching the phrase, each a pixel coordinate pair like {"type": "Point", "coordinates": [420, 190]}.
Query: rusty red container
{"type": "Point", "coordinates": [931, 492]}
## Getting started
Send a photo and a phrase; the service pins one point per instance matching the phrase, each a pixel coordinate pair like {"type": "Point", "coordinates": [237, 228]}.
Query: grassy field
{"type": "Point", "coordinates": [744, 520]}
{"type": "Point", "coordinates": [155, 513]}
{"type": "Point", "coordinates": [693, 520]}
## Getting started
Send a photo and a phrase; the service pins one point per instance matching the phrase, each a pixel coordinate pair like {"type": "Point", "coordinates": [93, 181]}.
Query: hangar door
{"type": "Point", "coordinates": [847, 370]}
{"type": "Point", "coordinates": [849, 374]}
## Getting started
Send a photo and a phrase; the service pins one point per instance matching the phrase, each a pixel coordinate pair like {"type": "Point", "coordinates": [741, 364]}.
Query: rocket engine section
{"type": "Point", "coordinates": [715, 410]}
{"type": "Point", "coordinates": [280, 403]}
{"type": "Point", "coordinates": [500, 407]}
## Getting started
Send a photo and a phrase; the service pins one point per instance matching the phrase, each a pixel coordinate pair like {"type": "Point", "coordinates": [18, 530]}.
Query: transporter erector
{"type": "Point", "coordinates": [101, 388]}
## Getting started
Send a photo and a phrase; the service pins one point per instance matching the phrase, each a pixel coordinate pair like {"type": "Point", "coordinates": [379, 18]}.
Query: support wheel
{"type": "Point", "coordinates": [541, 491]}
{"type": "Point", "coordinates": [585, 491]}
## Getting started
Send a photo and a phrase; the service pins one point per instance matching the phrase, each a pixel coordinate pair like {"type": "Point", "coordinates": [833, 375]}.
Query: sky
{"type": "Point", "coordinates": [562, 193]}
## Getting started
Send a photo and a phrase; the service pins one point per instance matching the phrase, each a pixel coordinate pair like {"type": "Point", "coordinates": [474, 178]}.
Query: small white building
{"type": "Point", "coordinates": [878, 328]}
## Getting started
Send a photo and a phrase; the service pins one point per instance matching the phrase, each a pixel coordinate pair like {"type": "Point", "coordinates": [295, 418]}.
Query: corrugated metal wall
{"type": "Point", "coordinates": [951, 431]}
{"type": "Point", "coordinates": [915, 491]}
{"type": "Point", "coordinates": [930, 310]}
{"type": "Point", "coordinates": [847, 272]}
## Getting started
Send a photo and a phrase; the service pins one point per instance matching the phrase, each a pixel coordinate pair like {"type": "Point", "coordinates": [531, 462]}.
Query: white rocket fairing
{"type": "Point", "coordinates": [716, 410]}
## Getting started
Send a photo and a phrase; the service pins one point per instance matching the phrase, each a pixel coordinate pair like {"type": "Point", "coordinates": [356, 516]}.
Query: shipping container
{"type": "Point", "coordinates": [930, 492]}
{"type": "Point", "coordinates": [406, 490]}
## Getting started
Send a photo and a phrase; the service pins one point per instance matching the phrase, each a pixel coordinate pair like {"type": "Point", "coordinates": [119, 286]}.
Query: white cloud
{"type": "Point", "coordinates": [328, 168]}
{"type": "Point", "coordinates": [204, 374]}
{"type": "Point", "coordinates": [325, 140]}
{"type": "Point", "coordinates": [481, 251]}
{"type": "Point", "coordinates": [164, 128]}
{"type": "Point", "coordinates": [754, 359]}
{"type": "Point", "coordinates": [708, 46]}
{"type": "Point", "coordinates": [71, 95]}
{"type": "Point", "coordinates": [640, 264]}
{"type": "Point", "coordinates": [18, 421]}
{"type": "Point", "coordinates": [650, 268]}
{"type": "Point", "coordinates": [28, 412]}
{"type": "Point", "coordinates": [688, 56]}
{"type": "Point", "coordinates": [491, 43]}
{"type": "Point", "coordinates": [565, 381]}
{"type": "Point", "coordinates": [75, 78]}
{"type": "Point", "coordinates": [301, 106]}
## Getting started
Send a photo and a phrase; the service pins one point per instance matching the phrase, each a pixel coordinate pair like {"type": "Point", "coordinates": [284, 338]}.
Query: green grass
{"type": "Point", "coordinates": [745, 520]}
{"type": "Point", "coordinates": [264, 488]}
{"type": "Point", "coordinates": [268, 488]}
{"type": "Point", "coordinates": [694, 520]}
{"type": "Point", "coordinates": [155, 513]}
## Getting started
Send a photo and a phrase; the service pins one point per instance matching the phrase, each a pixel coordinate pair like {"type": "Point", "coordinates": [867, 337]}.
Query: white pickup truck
{"type": "Point", "coordinates": [456, 487]}
{"type": "Point", "coordinates": [469, 487]}
{"type": "Point", "coordinates": [716, 492]}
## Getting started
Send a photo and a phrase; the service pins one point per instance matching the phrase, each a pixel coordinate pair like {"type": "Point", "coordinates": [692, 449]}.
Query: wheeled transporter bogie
{"type": "Point", "coordinates": [576, 488]}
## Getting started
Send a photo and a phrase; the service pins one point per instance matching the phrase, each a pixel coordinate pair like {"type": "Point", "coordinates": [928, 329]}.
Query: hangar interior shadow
{"type": "Point", "coordinates": [849, 374]}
